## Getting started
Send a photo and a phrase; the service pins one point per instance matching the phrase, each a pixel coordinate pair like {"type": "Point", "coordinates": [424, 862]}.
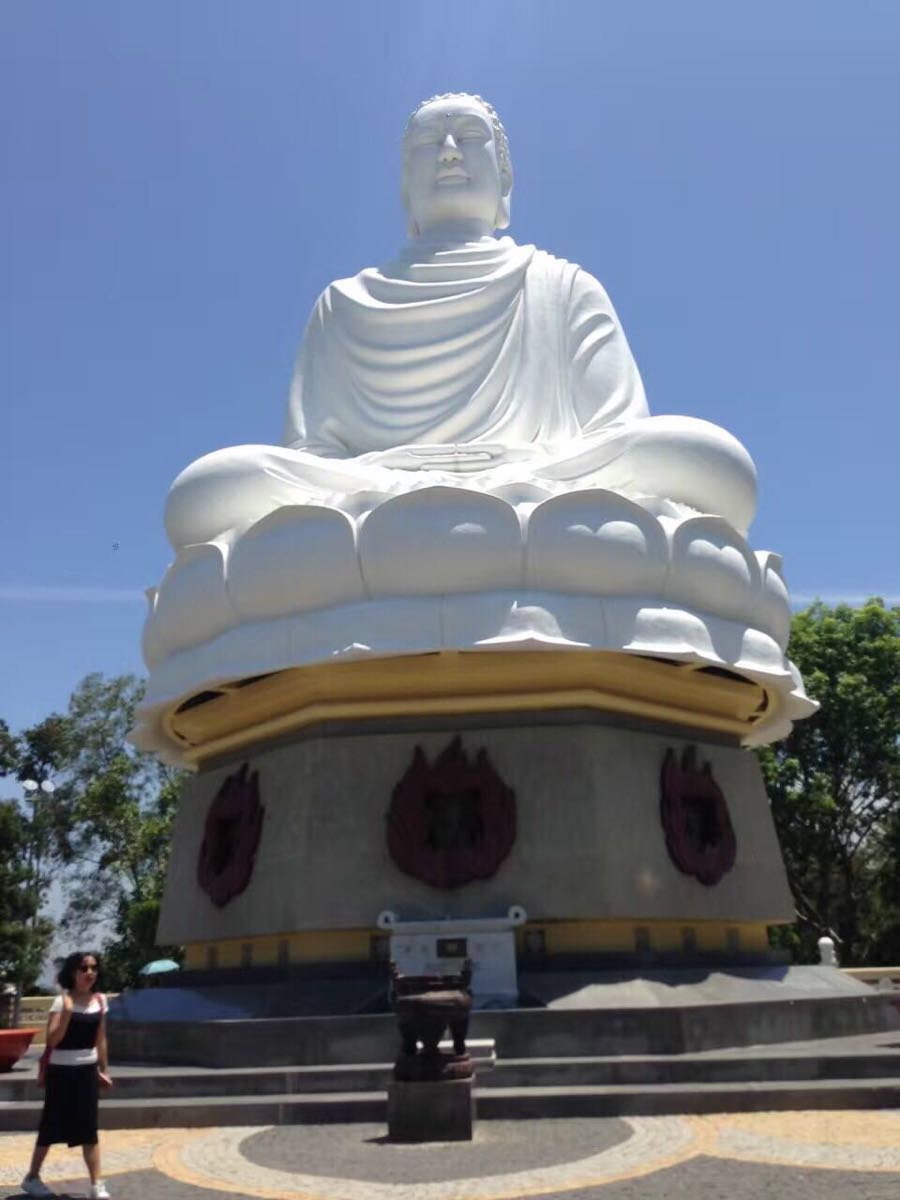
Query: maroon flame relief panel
{"type": "Point", "coordinates": [699, 834]}
{"type": "Point", "coordinates": [452, 821]}
{"type": "Point", "coordinates": [231, 837]}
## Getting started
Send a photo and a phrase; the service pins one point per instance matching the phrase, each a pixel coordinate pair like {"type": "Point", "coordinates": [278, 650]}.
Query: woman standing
{"type": "Point", "coordinates": [77, 1067]}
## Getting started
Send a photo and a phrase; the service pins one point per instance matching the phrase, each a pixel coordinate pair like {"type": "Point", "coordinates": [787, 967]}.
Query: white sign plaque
{"type": "Point", "coordinates": [441, 948]}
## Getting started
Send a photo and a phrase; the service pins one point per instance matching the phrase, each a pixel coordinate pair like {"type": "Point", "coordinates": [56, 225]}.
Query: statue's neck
{"type": "Point", "coordinates": [455, 233]}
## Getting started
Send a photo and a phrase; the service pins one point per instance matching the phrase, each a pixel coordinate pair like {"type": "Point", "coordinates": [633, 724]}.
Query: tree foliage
{"type": "Point", "coordinates": [9, 750]}
{"type": "Point", "coordinates": [23, 935]}
{"type": "Point", "coordinates": [29, 828]}
{"type": "Point", "coordinates": [834, 783]}
{"type": "Point", "coordinates": [106, 830]}
{"type": "Point", "coordinates": [122, 805]}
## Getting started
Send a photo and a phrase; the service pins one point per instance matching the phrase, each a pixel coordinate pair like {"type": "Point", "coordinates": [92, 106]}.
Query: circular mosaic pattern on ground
{"type": "Point", "coordinates": [126, 1150]}
{"type": "Point", "coordinates": [868, 1140]}
{"type": "Point", "coordinates": [217, 1159]}
{"type": "Point", "coordinates": [499, 1147]}
{"type": "Point", "coordinates": [733, 1156]}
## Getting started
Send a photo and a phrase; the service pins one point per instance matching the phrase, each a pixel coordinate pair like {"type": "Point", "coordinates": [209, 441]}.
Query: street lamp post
{"type": "Point", "coordinates": [33, 791]}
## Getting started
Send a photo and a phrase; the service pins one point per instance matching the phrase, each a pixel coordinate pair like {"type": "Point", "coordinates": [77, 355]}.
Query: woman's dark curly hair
{"type": "Point", "coordinates": [66, 976]}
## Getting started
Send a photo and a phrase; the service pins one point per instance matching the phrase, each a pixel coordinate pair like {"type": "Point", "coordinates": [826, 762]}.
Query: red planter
{"type": "Point", "coordinates": [13, 1044]}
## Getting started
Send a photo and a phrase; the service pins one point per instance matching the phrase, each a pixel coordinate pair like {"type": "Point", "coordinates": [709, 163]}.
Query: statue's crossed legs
{"type": "Point", "coordinates": [682, 459]}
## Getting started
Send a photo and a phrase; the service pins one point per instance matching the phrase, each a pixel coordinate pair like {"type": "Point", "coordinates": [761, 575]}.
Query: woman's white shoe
{"type": "Point", "coordinates": [33, 1185]}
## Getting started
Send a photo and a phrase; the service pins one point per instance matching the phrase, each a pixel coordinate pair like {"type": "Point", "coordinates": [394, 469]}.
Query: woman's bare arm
{"type": "Point", "coordinates": [103, 1054]}
{"type": "Point", "coordinates": [102, 1049]}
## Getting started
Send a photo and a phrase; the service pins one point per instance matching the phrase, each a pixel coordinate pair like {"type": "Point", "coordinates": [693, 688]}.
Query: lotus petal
{"type": "Point", "coordinates": [151, 646]}
{"type": "Point", "coordinates": [775, 603]}
{"type": "Point", "coordinates": [439, 540]}
{"type": "Point", "coordinates": [713, 570]}
{"type": "Point", "coordinates": [298, 558]}
{"type": "Point", "coordinates": [192, 605]}
{"type": "Point", "coordinates": [595, 541]}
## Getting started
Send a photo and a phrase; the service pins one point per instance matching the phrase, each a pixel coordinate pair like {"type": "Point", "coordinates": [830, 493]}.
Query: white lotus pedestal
{"type": "Point", "coordinates": [346, 610]}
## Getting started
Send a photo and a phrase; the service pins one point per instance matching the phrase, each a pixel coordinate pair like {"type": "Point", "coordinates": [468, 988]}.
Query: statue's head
{"type": "Point", "coordinates": [456, 164]}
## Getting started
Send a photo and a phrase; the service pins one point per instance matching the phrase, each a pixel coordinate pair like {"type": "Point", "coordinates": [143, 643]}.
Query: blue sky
{"type": "Point", "coordinates": [182, 179]}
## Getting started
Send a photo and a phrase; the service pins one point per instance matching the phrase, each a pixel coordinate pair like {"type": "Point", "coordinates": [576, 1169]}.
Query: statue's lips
{"type": "Point", "coordinates": [452, 177]}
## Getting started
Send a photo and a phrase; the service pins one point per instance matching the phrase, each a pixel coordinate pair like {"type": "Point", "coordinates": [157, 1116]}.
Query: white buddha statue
{"type": "Point", "coordinates": [469, 467]}
{"type": "Point", "coordinates": [467, 361]}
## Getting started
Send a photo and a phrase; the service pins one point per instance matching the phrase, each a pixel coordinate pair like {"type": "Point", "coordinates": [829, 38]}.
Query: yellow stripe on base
{"type": "Point", "coordinates": [451, 683]}
{"type": "Point", "coordinates": [548, 937]}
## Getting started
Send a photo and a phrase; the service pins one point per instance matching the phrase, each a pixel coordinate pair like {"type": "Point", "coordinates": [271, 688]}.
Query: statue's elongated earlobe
{"type": "Point", "coordinates": [501, 221]}
{"type": "Point", "coordinates": [412, 229]}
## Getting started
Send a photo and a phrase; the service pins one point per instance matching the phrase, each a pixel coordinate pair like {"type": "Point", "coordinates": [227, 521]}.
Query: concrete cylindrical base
{"type": "Point", "coordinates": [585, 848]}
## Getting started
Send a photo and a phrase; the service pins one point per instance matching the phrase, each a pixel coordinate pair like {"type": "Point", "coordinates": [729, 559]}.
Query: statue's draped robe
{"type": "Point", "coordinates": [474, 365]}
{"type": "Point", "coordinates": [490, 342]}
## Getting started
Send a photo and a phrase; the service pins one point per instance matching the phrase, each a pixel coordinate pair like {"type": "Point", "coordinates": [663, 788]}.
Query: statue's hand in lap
{"type": "Point", "coordinates": [452, 456]}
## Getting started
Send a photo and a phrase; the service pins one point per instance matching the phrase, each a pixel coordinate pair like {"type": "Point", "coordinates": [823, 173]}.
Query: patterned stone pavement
{"type": "Point", "coordinates": [738, 1156]}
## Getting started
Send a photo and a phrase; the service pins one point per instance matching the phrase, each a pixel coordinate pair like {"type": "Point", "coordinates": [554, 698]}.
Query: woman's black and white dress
{"type": "Point", "coordinates": [72, 1088]}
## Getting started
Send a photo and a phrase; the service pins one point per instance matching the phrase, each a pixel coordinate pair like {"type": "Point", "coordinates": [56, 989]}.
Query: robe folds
{"type": "Point", "coordinates": [485, 342]}
{"type": "Point", "coordinates": [479, 365]}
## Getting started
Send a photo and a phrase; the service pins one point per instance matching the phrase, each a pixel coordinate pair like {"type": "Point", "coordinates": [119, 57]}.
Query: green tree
{"type": "Point", "coordinates": [9, 750]}
{"type": "Point", "coordinates": [29, 840]}
{"type": "Point", "coordinates": [834, 783]}
{"type": "Point", "coordinates": [104, 831]}
{"type": "Point", "coordinates": [885, 893]}
{"type": "Point", "coordinates": [21, 951]}
{"type": "Point", "coordinates": [121, 807]}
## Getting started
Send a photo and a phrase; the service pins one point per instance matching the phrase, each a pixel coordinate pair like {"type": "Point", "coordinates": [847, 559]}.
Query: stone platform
{"type": "Point", "coordinates": [571, 1014]}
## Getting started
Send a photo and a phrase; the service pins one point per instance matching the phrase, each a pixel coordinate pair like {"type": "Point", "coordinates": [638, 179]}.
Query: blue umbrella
{"type": "Point", "coordinates": [160, 966]}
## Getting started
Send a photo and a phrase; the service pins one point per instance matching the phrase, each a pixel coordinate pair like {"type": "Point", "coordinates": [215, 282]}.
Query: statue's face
{"type": "Point", "coordinates": [452, 172]}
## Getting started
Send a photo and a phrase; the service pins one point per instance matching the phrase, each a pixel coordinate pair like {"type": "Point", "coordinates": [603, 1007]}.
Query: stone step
{"type": "Point", "coordinates": [187, 1083]}
{"type": "Point", "coordinates": [493, 1103]}
{"type": "Point", "coordinates": [184, 1111]}
{"type": "Point", "coordinates": [727, 1067]}
{"type": "Point", "coordinates": [685, 1098]}
{"type": "Point", "coordinates": [626, 1071]}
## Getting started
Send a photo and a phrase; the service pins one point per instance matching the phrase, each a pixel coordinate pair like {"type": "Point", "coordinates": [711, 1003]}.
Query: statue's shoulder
{"type": "Point", "coordinates": [340, 292]}
{"type": "Point", "coordinates": [570, 277]}
{"type": "Point", "coordinates": [553, 262]}
{"type": "Point", "coordinates": [346, 286]}
{"type": "Point", "coordinates": [582, 286]}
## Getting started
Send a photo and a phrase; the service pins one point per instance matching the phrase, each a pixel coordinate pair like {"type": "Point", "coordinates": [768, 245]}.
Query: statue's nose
{"type": "Point", "coordinates": [450, 152]}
